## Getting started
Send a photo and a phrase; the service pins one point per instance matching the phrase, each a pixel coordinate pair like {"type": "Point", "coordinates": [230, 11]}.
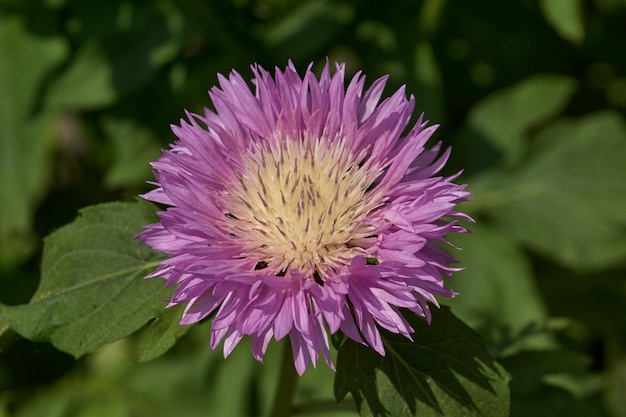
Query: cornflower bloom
{"type": "Point", "coordinates": [300, 210]}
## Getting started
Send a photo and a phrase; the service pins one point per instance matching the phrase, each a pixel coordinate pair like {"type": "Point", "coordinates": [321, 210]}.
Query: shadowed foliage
{"type": "Point", "coordinates": [446, 370]}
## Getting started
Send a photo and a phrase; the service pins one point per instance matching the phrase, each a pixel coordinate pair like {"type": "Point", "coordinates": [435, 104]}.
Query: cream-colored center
{"type": "Point", "coordinates": [301, 205]}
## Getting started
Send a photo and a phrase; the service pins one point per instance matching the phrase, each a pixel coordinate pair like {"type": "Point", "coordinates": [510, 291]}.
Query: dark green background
{"type": "Point", "coordinates": [530, 94]}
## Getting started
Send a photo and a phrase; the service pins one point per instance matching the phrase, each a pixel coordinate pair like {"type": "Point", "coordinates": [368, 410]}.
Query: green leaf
{"type": "Point", "coordinates": [88, 82]}
{"type": "Point", "coordinates": [160, 334]}
{"type": "Point", "coordinates": [497, 287]}
{"type": "Point", "coordinates": [31, 58]}
{"type": "Point", "coordinates": [92, 290]}
{"type": "Point", "coordinates": [505, 116]}
{"type": "Point", "coordinates": [568, 200]}
{"type": "Point", "coordinates": [134, 147]}
{"type": "Point", "coordinates": [26, 138]}
{"type": "Point", "coordinates": [447, 370]}
{"type": "Point", "coordinates": [566, 17]}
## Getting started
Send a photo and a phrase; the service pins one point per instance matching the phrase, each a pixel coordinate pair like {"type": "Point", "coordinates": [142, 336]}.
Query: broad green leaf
{"type": "Point", "coordinates": [87, 84]}
{"type": "Point", "coordinates": [160, 334]}
{"type": "Point", "coordinates": [497, 287]}
{"type": "Point", "coordinates": [447, 370]}
{"type": "Point", "coordinates": [26, 137]}
{"type": "Point", "coordinates": [568, 200]}
{"type": "Point", "coordinates": [31, 58]}
{"type": "Point", "coordinates": [566, 17]}
{"type": "Point", "coordinates": [92, 290]}
{"type": "Point", "coordinates": [505, 116]}
{"type": "Point", "coordinates": [134, 146]}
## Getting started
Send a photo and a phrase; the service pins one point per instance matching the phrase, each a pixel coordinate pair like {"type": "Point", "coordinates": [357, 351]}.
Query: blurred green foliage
{"type": "Point", "coordinates": [531, 94]}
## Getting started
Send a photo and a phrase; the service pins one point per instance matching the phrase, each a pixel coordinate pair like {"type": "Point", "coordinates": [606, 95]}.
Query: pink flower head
{"type": "Point", "coordinates": [299, 210]}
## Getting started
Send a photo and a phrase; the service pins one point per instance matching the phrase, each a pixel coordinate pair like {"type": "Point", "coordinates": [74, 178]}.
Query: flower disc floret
{"type": "Point", "coordinates": [302, 206]}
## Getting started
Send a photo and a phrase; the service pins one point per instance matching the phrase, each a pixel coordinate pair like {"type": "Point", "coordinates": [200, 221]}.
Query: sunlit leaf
{"type": "Point", "coordinates": [568, 200]}
{"type": "Point", "coordinates": [505, 117]}
{"type": "Point", "coordinates": [88, 82]}
{"type": "Point", "coordinates": [447, 370]}
{"type": "Point", "coordinates": [92, 290]}
{"type": "Point", "coordinates": [566, 17]}
{"type": "Point", "coordinates": [31, 58]}
{"type": "Point", "coordinates": [497, 288]}
{"type": "Point", "coordinates": [134, 146]}
{"type": "Point", "coordinates": [26, 137]}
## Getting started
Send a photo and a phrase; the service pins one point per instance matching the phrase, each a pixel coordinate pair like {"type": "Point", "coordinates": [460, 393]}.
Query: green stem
{"type": "Point", "coordinates": [287, 382]}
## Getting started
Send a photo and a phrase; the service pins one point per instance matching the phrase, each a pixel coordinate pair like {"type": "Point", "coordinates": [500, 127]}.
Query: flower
{"type": "Point", "coordinates": [299, 210]}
